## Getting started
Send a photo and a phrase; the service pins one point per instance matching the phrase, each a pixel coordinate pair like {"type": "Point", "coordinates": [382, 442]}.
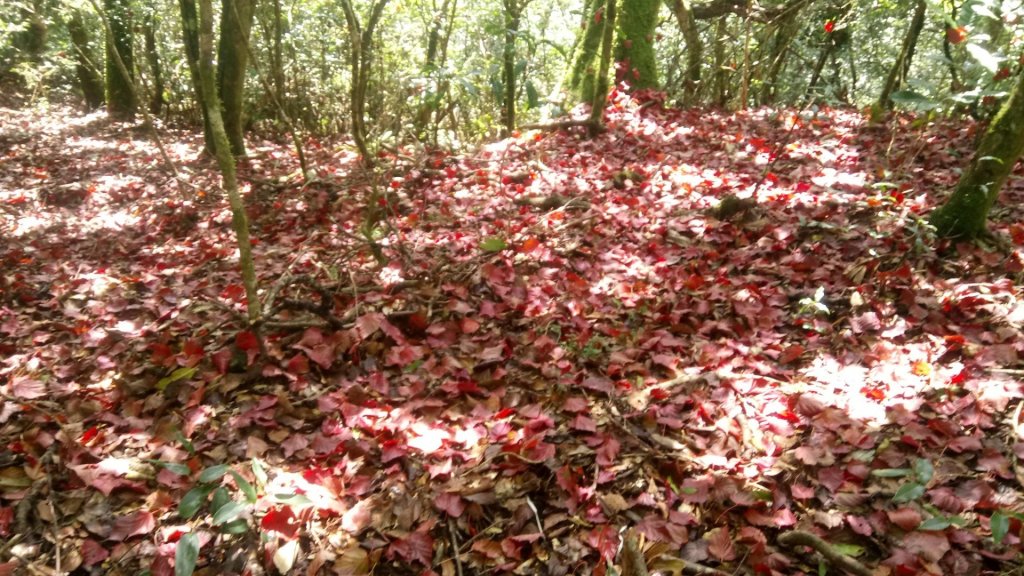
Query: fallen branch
{"type": "Point", "coordinates": [558, 125]}
{"type": "Point", "coordinates": [552, 202]}
{"type": "Point", "coordinates": [832, 556]}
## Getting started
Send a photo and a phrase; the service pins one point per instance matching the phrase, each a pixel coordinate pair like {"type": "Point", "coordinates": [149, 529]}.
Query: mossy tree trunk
{"type": "Point", "coordinates": [430, 111]}
{"type": "Point", "coordinates": [361, 40]}
{"type": "Point", "coordinates": [225, 159]}
{"type": "Point", "coordinates": [190, 37]}
{"type": "Point", "coordinates": [583, 73]}
{"type": "Point", "coordinates": [513, 16]}
{"type": "Point", "coordinates": [787, 26]}
{"type": "Point", "coordinates": [634, 47]}
{"type": "Point", "coordinates": [901, 67]}
{"type": "Point", "coordinates": [120, 89]}
{"type": "Point", "coordinates": [965, 214]}
{"type": "Point", "coordinates": [90, 78]}
{"type": "Point", "coordinates": [232, 58]}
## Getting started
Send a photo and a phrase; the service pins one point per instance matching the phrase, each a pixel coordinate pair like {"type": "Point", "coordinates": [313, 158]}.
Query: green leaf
{"type": "Point", "coordinates": [179, 374]}
{"type": "Point", "coordinates": [259, 472]}
{"type": "Point", "coordinates": [186, 554]}
{"type": "Point", "coordinates": [849, 549]}
{"type": "Point", "coordinates": [999, 523]}
{"type": "Point", "coordinates": [173, 467]}
{"type": "Point", "coordinates": [213, 473]}
{"type": "Point", "coordinates": [532, 97]}
{"type": "Point", "coordinates": [924, 470]}
{"type": "Point", "coordinates": [908, 493]}
{"type": "Point", "coordinates": [493, 244]}
{"type": "Point", "coordinates": [228, 512]}
{"type": "Point", "coordinates": [986, 59]}
{"type": "Point", "coordinates": [938, 523]}
{"type": "Point", "coordinates": [892, 472]}
{"type": "Point", "coordinates": [220, 498]}
{"type": "Point", "coordinates": [240, 526]}
{"type": "Point", "coordinates": [193, 500]}
{"type": "Point", "coordinates": [245, 487]}
{"type": "Point", "coordinates": [292, 499]}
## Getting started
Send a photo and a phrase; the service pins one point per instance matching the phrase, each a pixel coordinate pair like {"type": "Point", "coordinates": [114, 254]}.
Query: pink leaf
{"type": "Point", "coordinates": [450, 503]}
{"type": "Point", "coordinates": [27, 388]}
{"type": "Point", "coordinates": [720, 544]}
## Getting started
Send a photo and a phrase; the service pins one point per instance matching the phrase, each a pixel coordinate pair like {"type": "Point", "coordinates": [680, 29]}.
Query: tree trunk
{"type": "Point", "coordinates": [694, 49]}
{"type": "Point", "coordinates": [362, 58]}
{"type": "Point", "coordinates": [601, 87]}
{"type": "Point", "coordinates": [190, 37]}
{"type": "Point", "coordinates": [86, 66]}
{"type": "Point", "coordinates": [429, 110]}
{"type": "Point", "coordinates": [787, 27]}
{"type": "Point", "coordinates": [31, 39]}
{"type": "Point", "coordinates": [634, 47]}
{"type": "Point", "coordinates": [722, 70]}
{"type": "Point", "coordinates": [513, 14]}
{"type": "Point", "coordinates": [965, 214]}
{"type": "Point", "coordinates": [156, 102]}
{"type": "Point", "coordinates": [901, 67]}
{"type": "Point", "coordinates": [225, 159]}
{"type": "Point", "coordinates": [120, 90]}
{"type": "Point", "coordinates": [232, 58]}
{"type": "Point", "coordinates": [583, 75]}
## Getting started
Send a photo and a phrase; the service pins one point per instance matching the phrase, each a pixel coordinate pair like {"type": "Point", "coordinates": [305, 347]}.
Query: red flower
{"type": "Point", "coordinates": [829, 26]}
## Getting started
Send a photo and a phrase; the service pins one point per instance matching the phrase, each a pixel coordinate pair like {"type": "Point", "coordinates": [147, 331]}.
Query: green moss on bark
{"type": "Point", "coordinates": [634, 48]}
{"type": "Point", "coordinates": [584, 69]}
{"type": "Point", "coordinates": [965, 214]}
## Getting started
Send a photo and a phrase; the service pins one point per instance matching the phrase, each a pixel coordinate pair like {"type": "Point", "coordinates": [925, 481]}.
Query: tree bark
{"type": "Point", "coordinates": [190, 37]}
{"type": "Point", "coordinates": [786, 27]}
{"type": "Point", "coordinates": [513, 16]}
{"type": "Point", "coordinates": [583, 74]}
{"type": "Point", "coordinates": [694, 49]}
{"type": "Point", "coordinates": [362, 59]}
{"type": "Point", "coordinates": [634, 48]}
{"type": "Point", "coordinates": [901, 67]}
{"type": "Point", "coordinates": [156, 102]}
{"type": "Point", "coordinates": [225, 159]}
{"type": "Point", "coordinates": [90, 79]}
{"type": "Point", "coordinates": [232, 58]}
{"type": "Point", "coordinates": [965, 214]}
{"type": "Point", "coordinates": [120, 89]}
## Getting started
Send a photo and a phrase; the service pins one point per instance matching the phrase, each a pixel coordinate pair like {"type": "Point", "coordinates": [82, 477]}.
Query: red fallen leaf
{"type": "Point", "coordinates": [93, 552]}
{"type": "Point", "coordinates": [6, 517]}
{"type": "Point", "coordinates": [859, 525]}
{"type": "Point", "coordinates": [246, 340]}
{"type": "Point", "coordinates": [9, 568]}
{"type": "Point", "coordinates": [235, 292]}
{"type": "Point", "coordinates": [608, 452]}
{"type": "Point", "coordinates": [89, 434]}
{"type": "Point", "coordinates": [281, 520]}
{"type": "Point", "coordinates": [450, 503]}
{"type": "Point", "coordinates": [529, 245]}
{"type": "Point", "coordinates": [417, 546]}
{"type": "Point", "coordinates": [604, 539]}
{"type": "Point", "coordinates": [160, 353]}
{"type": "Point", "coordinates": [222, 360]}
{"type": "Point", "coordinates": [298, 364]}
{"type": "Point", "coordinates": [1017, 234]}
{"type": "Point", "coordinates": [192, 348]}
{"type": "Point", "coordinates": [565, 477]}
{"type": "Point", "coordinates": [720, 544]}
{"type": "Point", "coordinates": [906, 518]}
{"type": "Point", "coordinates": [791, 354]}
{"type": "Point", "coordinates": [134, 524]}
{"type": "Point", "coordinates": [468, 325]}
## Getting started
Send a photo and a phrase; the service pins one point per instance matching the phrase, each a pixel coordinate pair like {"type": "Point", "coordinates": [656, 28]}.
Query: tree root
{"type": "Point", "coordinates": [834, 557]}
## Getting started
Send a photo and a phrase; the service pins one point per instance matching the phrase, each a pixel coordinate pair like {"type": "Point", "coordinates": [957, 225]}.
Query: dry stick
{"type": "Point", "coordinates": [836, 558]}
{"type": "Point", "coordinates": [292, 130]}
{"type": "Point", "coordinates": [455, 547]}
{"type": "Point", "coordinates": [146, 116]}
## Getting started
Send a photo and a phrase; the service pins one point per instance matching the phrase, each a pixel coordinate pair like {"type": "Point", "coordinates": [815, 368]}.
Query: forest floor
{"type": "Point", "coordinates": [535, 358]}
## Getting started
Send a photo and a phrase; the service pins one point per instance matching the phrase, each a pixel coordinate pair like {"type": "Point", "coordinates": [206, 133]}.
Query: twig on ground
{"type": "Point", "coordinates": [455, 547]}
{"type": "Point", "coordinates": [834, 557]}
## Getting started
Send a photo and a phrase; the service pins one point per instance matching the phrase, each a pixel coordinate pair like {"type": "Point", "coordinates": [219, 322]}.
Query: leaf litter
{"type": "Point", "coordinates": [463, 376]}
